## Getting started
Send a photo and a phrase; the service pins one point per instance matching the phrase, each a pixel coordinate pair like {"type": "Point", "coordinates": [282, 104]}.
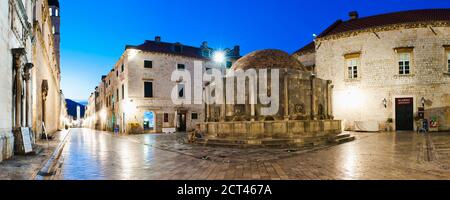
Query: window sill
{"type": "Point", "coordinates": [404, 75]}
{"type": "Point", "coordinates": [352, 80]}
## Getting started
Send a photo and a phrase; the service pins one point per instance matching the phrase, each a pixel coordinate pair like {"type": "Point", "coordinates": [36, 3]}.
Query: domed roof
{"type": "Point", "coordinates": [267, 59]}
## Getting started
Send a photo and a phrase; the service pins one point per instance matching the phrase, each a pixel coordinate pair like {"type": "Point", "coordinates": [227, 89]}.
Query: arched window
{"type": "Point", "coordinates": [56, 12]}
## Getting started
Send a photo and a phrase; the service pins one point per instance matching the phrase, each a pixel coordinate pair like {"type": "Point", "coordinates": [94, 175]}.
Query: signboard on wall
{"type": "Point", "coordinates": [26, 140]}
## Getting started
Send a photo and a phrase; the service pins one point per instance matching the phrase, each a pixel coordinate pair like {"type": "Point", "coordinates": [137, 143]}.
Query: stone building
{"type": "Point", "coordinates": [16, 63]}
{"type": "Point", "coordinates": [303, 115]}
{"type": "Point", "coordinates": [135, 95]}
{"type": "Point", "coordinates": [386, 68]}
{"type": "Point", "coordinates": [46, 75]}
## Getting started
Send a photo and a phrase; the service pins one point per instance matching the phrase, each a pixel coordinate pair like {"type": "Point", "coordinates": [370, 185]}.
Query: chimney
{"type": "Point", "coordinates": [204, 44]}
{"type": "Point", "coordinates": [353, 15]}
{"type": "Point", "coordinates": [237, 50]}
{"type": "Point", "coordinates": [158, 39]}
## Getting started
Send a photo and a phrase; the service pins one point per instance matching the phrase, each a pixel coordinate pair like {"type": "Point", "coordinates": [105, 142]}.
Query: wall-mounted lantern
{"type": "Point", "coordinates": [385, 103]}
{"type": "Point", "coordinates": [423, 101]}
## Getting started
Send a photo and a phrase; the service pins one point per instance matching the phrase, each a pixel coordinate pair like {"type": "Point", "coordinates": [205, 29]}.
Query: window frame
{"type": "Point", "coordinates": [196, 116]}
{"type": "Point", "coordinates": [353, 66]}
{"type": "Point", "coordinates": [152, 95]}
{"type": "Point", "coordinates": [404, 63]}
{"type": "Point", "coordinates": [166, 117]}
{"type": "Point", "coordinates": [146, 62]}
{"type": "Point", "coordinates": [180, 64]}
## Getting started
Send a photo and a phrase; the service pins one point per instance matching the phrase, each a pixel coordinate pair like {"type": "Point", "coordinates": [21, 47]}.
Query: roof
{"type": "Point", "coordinates": [169, 48]}
{"type": "Point", "coordinates": [310, 47]}
{"type": "Point", "coordinates": [402, 17]}
{"type": "Point", "coordinates": [267, 59]}
{"type": "Point", "coordinates": [181, 50]}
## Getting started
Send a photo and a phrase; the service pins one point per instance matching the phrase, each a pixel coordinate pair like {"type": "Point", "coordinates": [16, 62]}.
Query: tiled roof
{"type": "Point", "coordinates": [402, 17]}
{"type": "Point", "coordinates": [168, 48]}
{"type": "Point", "coordinates": [311, 47]}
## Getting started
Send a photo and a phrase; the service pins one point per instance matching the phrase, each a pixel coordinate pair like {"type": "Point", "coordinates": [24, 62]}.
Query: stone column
{"type": "Point", "coordinates": [17, 55]}
{"type": "Point", "coordinates": [27, 77]}
{"type": "Point", "coordinates": [313, 99]}
{"type": "Point", "coordinates": [286, 97]}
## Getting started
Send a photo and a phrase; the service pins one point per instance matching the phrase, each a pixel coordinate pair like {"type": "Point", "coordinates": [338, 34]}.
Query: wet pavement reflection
{"type": "Point", "coordinates": [95, 155]}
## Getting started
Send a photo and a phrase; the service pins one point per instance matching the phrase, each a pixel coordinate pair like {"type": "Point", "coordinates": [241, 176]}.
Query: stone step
{"type": "Point", "coordinates": [345, 135]}
{"type": "Point", "coordinates": [345, 140]}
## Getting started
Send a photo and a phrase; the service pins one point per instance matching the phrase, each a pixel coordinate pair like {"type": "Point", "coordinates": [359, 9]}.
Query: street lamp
{"type": "Point", "coordinates": [423, 101]}
{"type": "Point", "coordinates": [219, 57]}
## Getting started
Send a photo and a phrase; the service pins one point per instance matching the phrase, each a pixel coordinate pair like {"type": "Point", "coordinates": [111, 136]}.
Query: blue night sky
{"type": "Point", "coordinates": [94, 33]}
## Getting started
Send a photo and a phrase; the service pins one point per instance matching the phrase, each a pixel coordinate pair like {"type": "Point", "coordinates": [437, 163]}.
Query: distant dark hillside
{"type": "Point", "coordinates": [72, 108]}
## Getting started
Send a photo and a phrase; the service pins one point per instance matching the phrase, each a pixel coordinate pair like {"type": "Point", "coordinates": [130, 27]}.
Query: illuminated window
{"type": "Point", "coordinates": [352, 68]}
{"type": "Point", "coordinates": [56, 12]}
{"type": "Point", "coordinates": [51, 11]}
{"type": "Point", "coordinates": [404, 63]}
{"type": "Point", "coordinates": [53, 30]}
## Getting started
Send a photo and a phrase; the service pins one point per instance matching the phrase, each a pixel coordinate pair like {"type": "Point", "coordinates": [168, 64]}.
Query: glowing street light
{"type": "Point", "coordinates": [219, 57]}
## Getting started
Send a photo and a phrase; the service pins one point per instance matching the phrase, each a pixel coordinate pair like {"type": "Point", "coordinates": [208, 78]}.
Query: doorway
{"type": "Point", "coordinates": [149, 121]}
{"type": "Point", "coordinates": [181, 122]}
{"type": "Point", "coordinates": [404, 114]}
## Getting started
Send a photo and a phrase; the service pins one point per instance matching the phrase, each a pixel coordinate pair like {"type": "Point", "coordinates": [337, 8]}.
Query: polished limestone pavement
{"type": "Point", "coordinates": [95, 155]}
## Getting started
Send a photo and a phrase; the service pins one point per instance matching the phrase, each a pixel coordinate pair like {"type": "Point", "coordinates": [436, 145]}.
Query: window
{"type": "Point", "coordinates": [194, 116]}
{"type": "Point", "coordinates": [148, 64]}
{"type": "Point", "coordinates": [448, 61]}
{"type": "Point", "coordinates": [352, 68]}
{"type": "Point", "coordinates": [123, 91]}
{"type": "Point", "coordinates": [181, 90]}
{"type": "Point", "coordinates": [117, 95]}
{"type": "Point", "coordinates": [122, 67]}
{"type": "Point", "coordinates": [148, 89]}
{"type": "Point", "coordinates": [51, 11]}
{"type": "Point", "coordinates": [229, 64]}
{"type": "Point", "coordinates": [56, 12]}
{"type": "Point", "coordinates": [53, 30]}
{"type": "Point", "coordinates": [181, 67]}
{"type": "Point", "coordinates": [404, 63]}
{"type": "Point", "coordinates": [166, 117]}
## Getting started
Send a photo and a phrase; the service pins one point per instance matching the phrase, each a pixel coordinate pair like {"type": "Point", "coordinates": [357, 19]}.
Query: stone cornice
{"type": "Point", "coordinates": [385, 28]}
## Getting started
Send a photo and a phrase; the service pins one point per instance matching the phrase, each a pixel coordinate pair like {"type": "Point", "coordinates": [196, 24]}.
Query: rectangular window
{"type": "Point", "coordinates": [148, 89]}
{"type": "Point", "coordinates": [404, 63]}
{"type": "Point", "coordinates": [123, 91]}
{"type": "Point", "coordinates": [148, 64]}
{"type": "Point", "coordinates": [181, 91]}
{"type": "Point", "coordinates": [352, 68]}
{"type": "Point", "coordinates": [166, 117]}
{"type": "Point", "coordinates": [50, 10]}
{"type": "Point", "coordinates": [448, 61]}
{"type": "Point", "coordinates": [117, 73]}
{"type": "Point", "coordinates": [229, 64]}
{"type": "Point", "coordinates": [117, 95]}
{"type": "Point", "coordinates": [123, 67]}
{"type": "Point", "coordinates": [181, 67]}
{"type": "Point", "coordinates": [194, 116]}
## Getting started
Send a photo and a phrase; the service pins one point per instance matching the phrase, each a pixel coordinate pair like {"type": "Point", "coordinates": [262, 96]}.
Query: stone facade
{"type": "Point", "coordinates": [372, 95]}
{"type": "Point", "coordinates": [120, 100]}
{"type": "Point", "coordinates": [46, 75]}
{"type": "Point", "coordinates": [15, 60]}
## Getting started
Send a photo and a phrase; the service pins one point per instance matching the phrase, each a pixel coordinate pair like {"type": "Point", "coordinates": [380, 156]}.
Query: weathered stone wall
{"type": "Point", "coordinates": [45, 68]}
{"type": "Point", "coordinates": [362, 99]}
{"type": "Point", "coordinates": [12, 35]}
{"type": "Point", "coordinates": [160, 75]}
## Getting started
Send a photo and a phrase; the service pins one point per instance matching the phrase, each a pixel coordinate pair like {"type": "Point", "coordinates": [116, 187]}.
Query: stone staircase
{"type": "Point", "coordinates": [343, 138]}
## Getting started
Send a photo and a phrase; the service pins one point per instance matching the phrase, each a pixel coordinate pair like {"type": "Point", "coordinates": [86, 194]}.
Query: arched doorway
{"type": "Point", "coordinates": [149, 121]}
